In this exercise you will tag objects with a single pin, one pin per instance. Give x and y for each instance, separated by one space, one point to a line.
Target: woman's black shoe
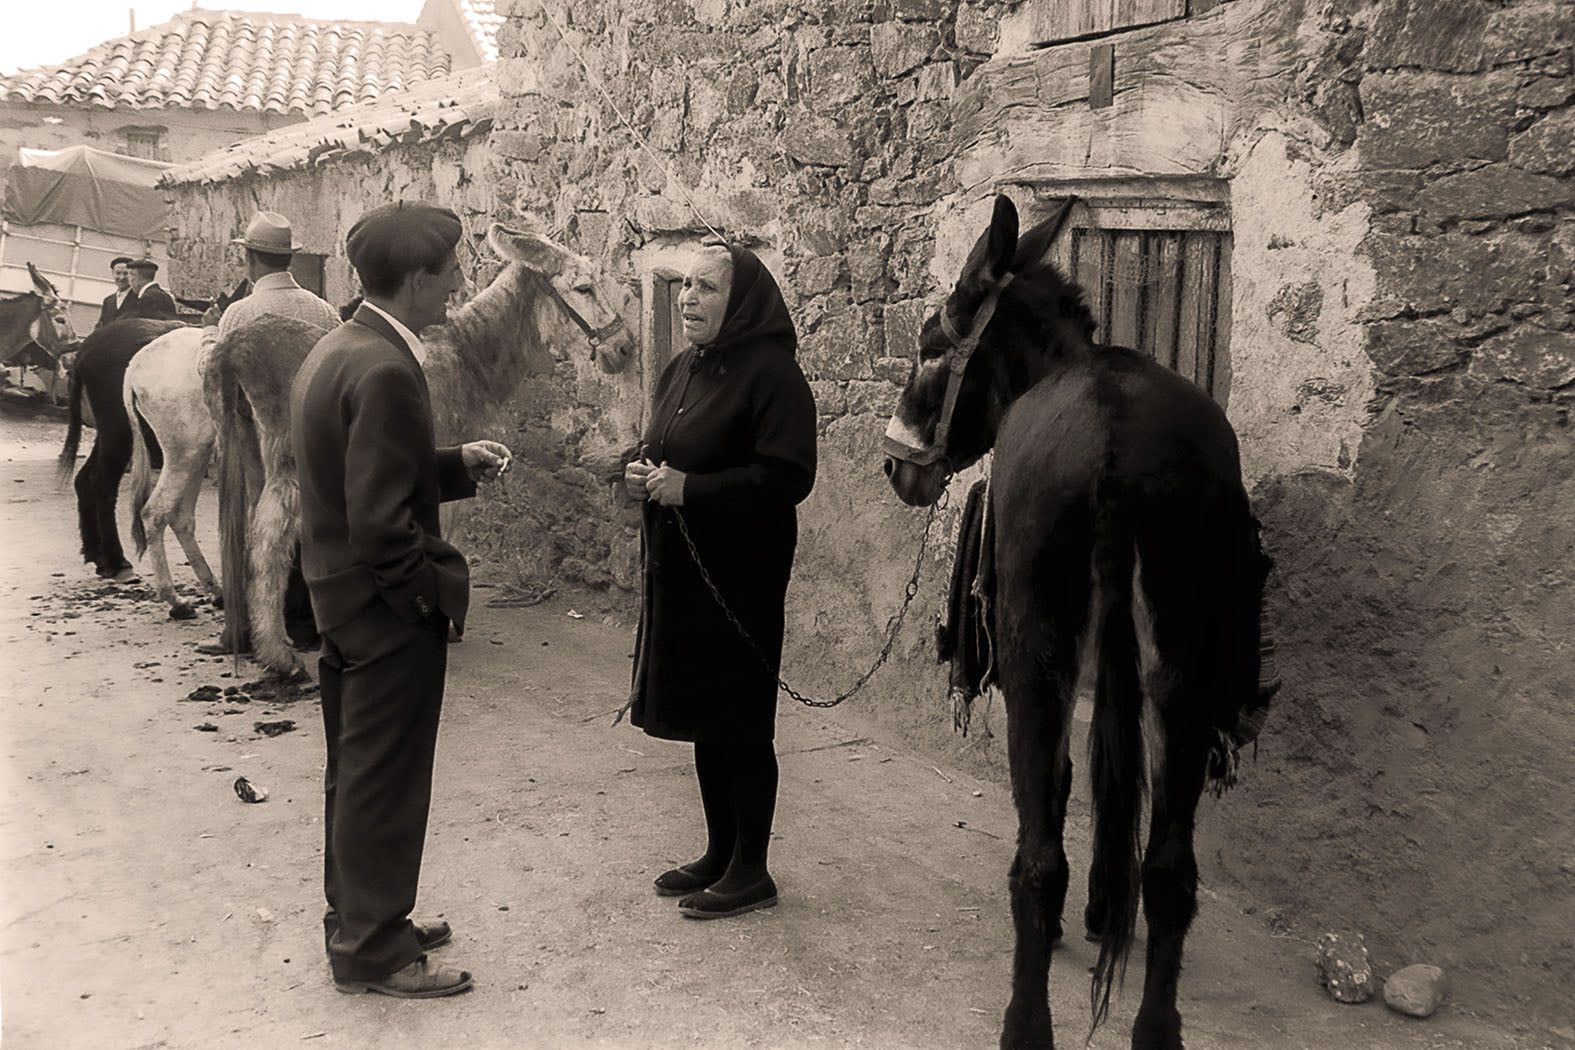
679 881
709 904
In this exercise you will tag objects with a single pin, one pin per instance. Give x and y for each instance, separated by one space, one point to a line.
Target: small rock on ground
1416 990
1343 967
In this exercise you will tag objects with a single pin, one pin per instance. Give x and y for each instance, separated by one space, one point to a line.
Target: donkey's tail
68 451
141 468
1117 766
235 442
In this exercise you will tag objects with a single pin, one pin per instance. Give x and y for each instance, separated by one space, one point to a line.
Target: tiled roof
482 19
452 106
257 63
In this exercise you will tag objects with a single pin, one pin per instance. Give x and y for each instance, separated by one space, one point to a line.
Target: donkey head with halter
928 440
569 279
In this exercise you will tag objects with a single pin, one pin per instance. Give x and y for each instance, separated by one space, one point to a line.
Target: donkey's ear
41 283
992 253
1035 244
531 249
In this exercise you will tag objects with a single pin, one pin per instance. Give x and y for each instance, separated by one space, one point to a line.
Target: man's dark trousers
382 689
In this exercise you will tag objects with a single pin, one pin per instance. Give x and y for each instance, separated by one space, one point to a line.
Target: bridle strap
957 358
593 335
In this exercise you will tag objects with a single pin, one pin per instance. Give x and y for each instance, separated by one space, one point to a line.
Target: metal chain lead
892 626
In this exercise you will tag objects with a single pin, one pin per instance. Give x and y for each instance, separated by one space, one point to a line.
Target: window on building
147 143
1153 261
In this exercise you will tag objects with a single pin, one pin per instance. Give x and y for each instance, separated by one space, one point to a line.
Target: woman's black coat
737 417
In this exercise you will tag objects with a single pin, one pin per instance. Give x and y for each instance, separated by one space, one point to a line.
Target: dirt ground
145 906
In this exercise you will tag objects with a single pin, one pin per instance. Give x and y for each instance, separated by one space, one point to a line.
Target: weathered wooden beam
1185 90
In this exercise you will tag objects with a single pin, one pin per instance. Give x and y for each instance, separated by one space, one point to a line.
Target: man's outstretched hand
485 460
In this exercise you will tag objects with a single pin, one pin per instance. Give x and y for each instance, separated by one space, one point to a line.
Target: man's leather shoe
416 981
709 904
433 934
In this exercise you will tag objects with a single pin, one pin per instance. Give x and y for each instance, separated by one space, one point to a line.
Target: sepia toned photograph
778 524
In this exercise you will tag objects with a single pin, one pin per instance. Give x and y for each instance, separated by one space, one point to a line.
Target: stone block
838 75
1531 355
902 322
1414 120
1344 969
1415 347
1416 991
817 276
812 139
978 29
840 347
1444 35
1492 192
1548 146
897 47
867 268
1477 274
918 10
937 81
1546 93
875 397
518 145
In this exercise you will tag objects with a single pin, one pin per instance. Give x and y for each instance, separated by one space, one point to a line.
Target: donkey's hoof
218 600
182 611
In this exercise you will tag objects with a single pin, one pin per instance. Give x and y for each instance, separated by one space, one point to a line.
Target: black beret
117 260
388 242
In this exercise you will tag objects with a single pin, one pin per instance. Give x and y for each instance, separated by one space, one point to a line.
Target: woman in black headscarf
728 454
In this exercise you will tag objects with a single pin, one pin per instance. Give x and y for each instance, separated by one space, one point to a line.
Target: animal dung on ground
1416 990
206 727
204 694
246 791
1344 968
282 726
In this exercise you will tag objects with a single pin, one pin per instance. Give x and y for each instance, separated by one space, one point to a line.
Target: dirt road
146 906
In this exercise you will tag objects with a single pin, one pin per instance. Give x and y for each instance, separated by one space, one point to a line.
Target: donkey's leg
270 540
184 521
1170 879
176 497
1041 629
1181 611
155 516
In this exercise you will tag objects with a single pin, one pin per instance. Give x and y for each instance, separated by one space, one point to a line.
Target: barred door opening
1155 272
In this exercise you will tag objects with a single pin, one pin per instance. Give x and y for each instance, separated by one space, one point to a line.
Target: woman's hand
635 473
666 486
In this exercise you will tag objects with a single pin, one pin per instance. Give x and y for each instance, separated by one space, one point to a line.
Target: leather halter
594 336
958 355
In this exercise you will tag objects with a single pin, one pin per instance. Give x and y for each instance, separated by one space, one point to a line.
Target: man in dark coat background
151 301
123 298
385 586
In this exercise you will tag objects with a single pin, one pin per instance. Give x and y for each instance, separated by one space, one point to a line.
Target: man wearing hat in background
269 247
115 304
385 586
152 301
270 244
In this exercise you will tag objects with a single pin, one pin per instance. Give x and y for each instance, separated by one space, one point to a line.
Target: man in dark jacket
117 304
152 301
385 586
